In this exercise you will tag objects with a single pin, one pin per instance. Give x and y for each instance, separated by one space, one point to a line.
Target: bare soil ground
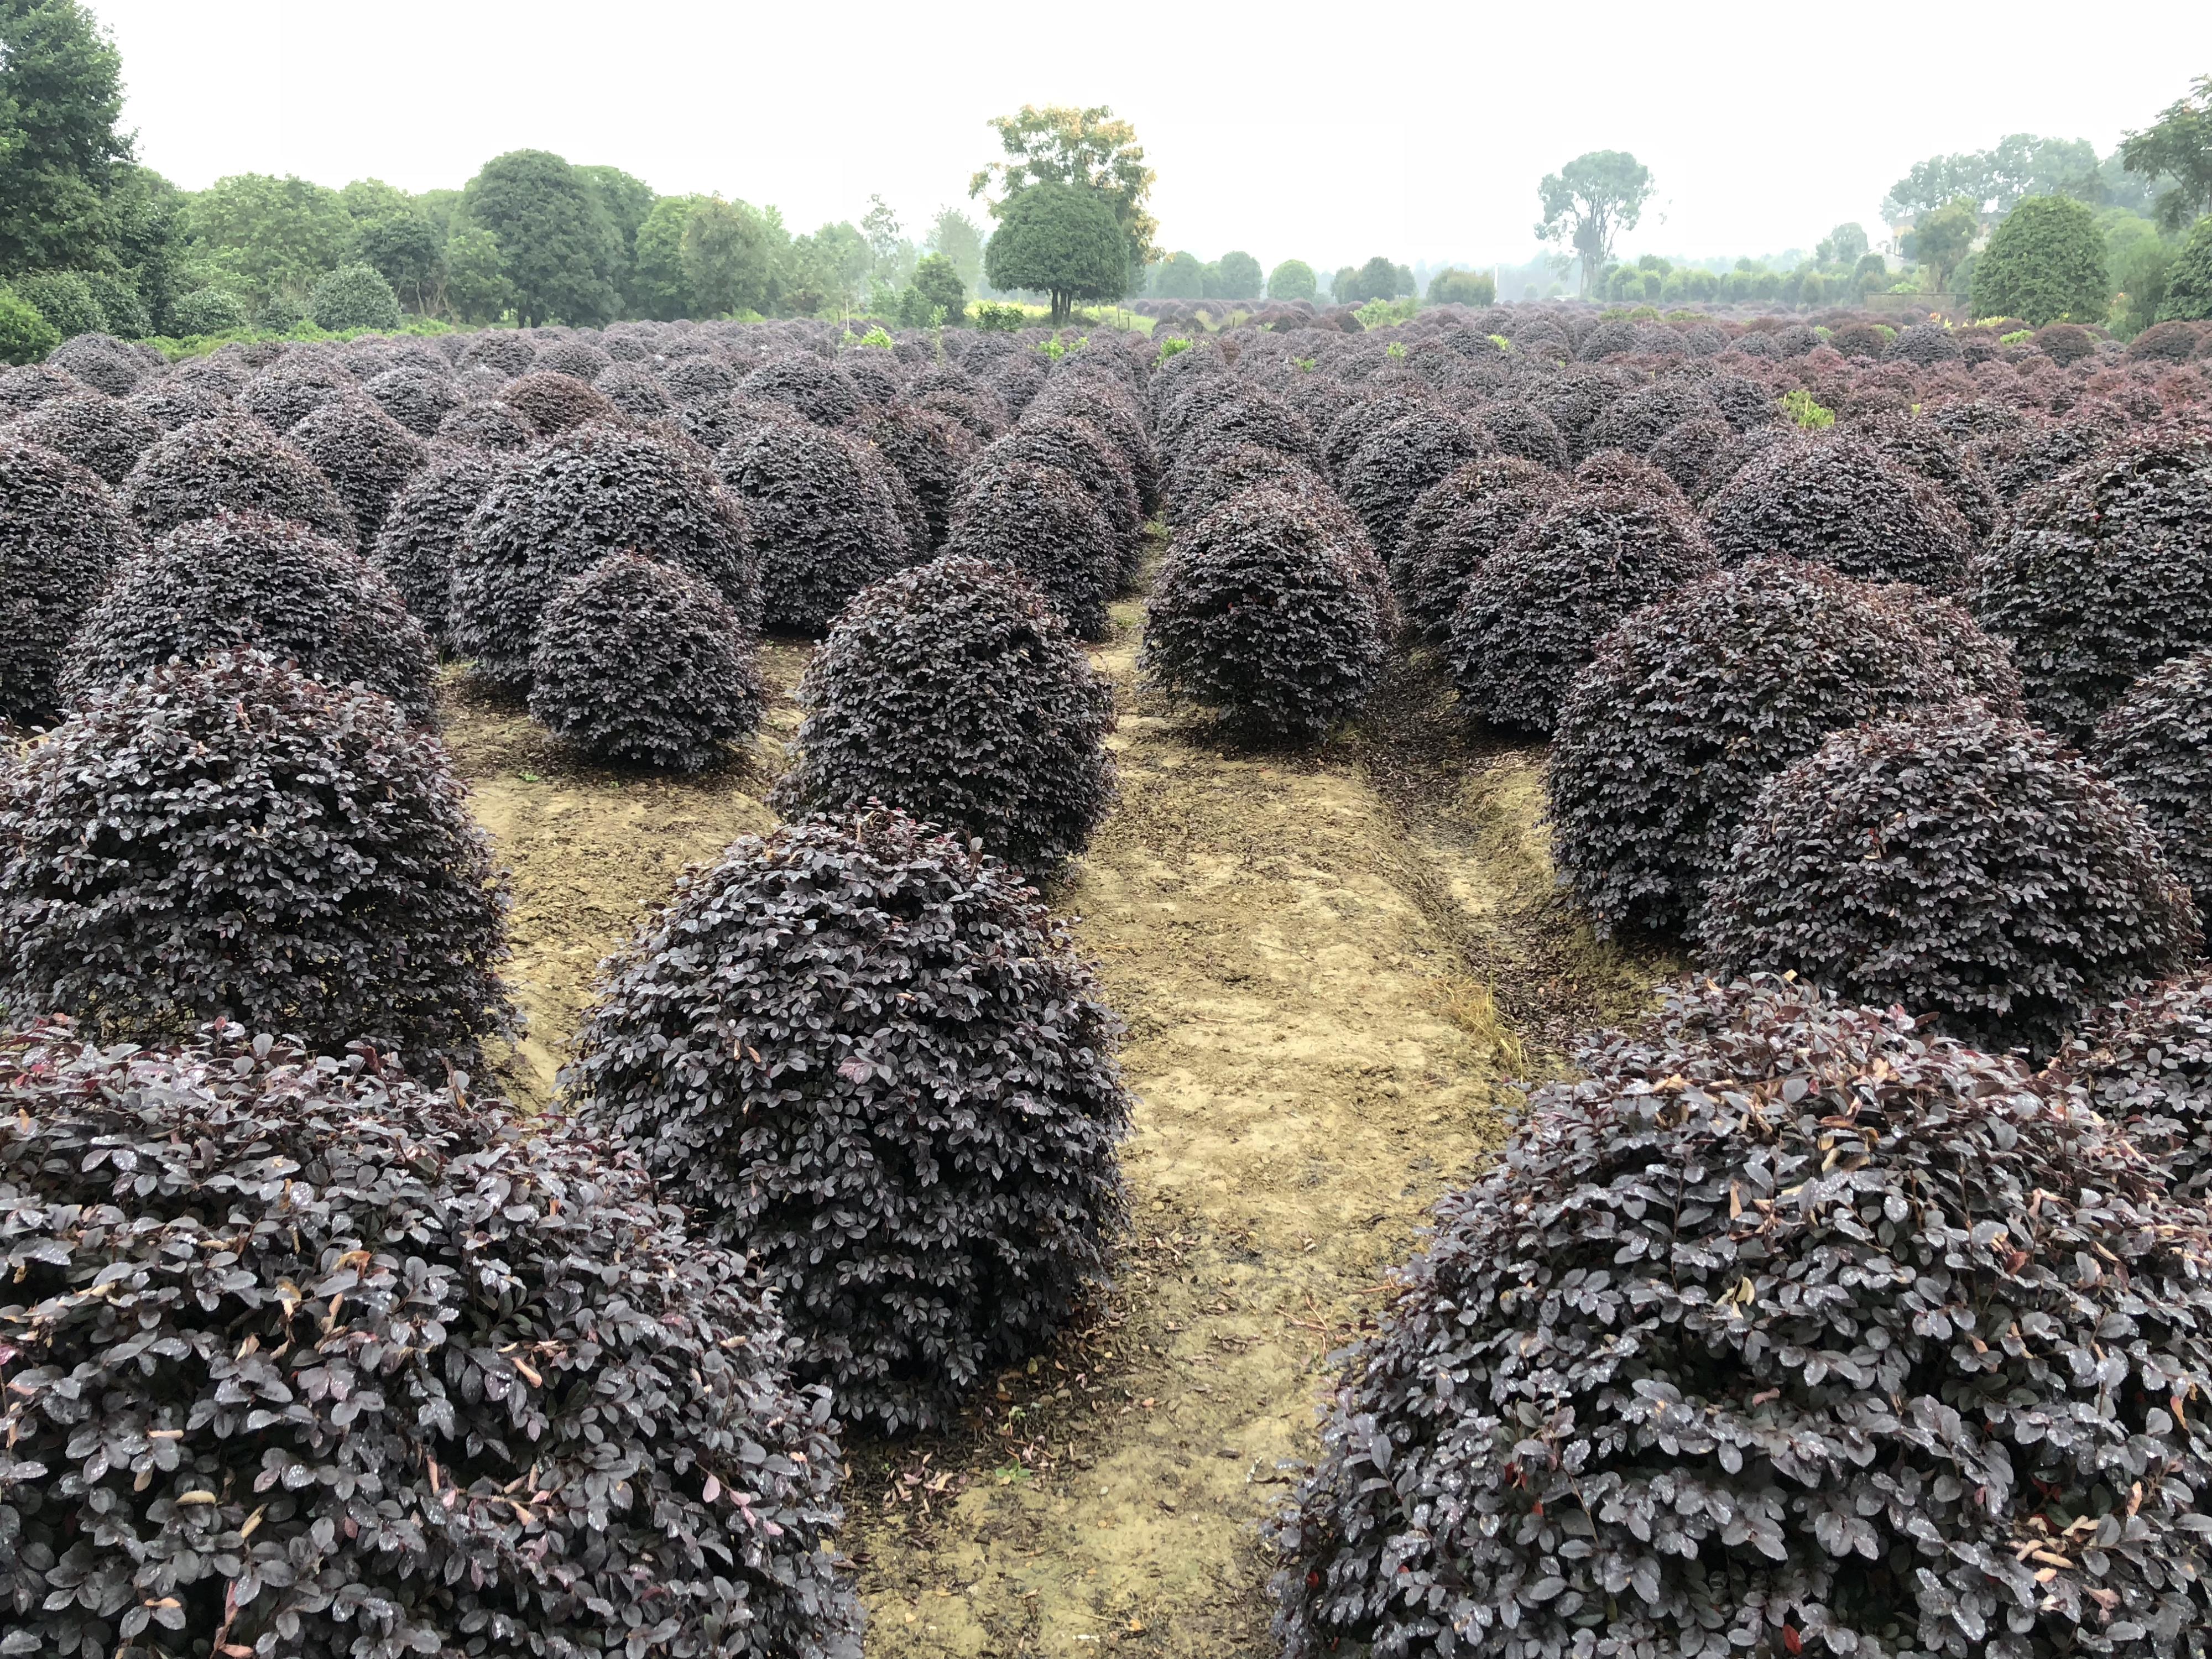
1329 963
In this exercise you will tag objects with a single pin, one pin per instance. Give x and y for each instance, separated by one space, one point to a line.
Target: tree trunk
1063 301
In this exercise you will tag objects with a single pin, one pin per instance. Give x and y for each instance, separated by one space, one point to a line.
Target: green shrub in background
119 303
2044 264
209 311
65 299
936 287
280 313
1463 287
354 297
25 334
2189 278
993 318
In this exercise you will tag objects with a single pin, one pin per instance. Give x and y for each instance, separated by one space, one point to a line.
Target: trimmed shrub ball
232 464
506 351
821 392
1789 1328
418 398
580 360
559 510
1686 452
1981 662
1203 482
953 693
508 1426
872 1060
1841 502
354 297
1349 432
1260 614
1639 420
246 581
488 425
270 849
292 388
106 434
1917 443
1087 455
61 537
1458 524
420 541
2156 744
1953 864
173 402
695 379
823 520
2105 573
1206 420
555 403
1114 413
1388 473
640 661
1690 705
2146 1062
367 455
634 390
1534 610
1616 469
928 452
1039 521
1523 430
874 375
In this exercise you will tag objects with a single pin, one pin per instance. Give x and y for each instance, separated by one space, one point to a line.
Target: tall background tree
731 256
1590 201
61 94
1293 279
1943 238
1995 180
958 238
2177 147
1086 147
561 253
1237 277
2045 262
258 236
1062 240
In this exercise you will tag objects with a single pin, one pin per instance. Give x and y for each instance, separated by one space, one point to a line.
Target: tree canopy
1062 240
1943 237
1235 277
1995 180
2045 262
2179 147
958 238
560 251
1062 145
729 257
61 94
1590 201
1293 279
261 236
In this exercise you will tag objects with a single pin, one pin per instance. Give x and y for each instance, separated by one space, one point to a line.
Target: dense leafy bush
101 362
640 661
2146 1062
26 336
580 360
929 451
1789 1328
1085 454
367 455
1640 419
209 311
271 850
1199 484
695 379
822 520
1114 412
872 1059
1686 450
354 297
1459 523
507 352
290 390
2045 262
488 425
1925 344
420 539
1350 431
559 510
1534 609
232 463
2156 744
508 1420
634 390
1841 501
1521 428
821 392
1041 522
2065 342
1260 613
418 398
1956 865
1386 475
65 299
61 537
953 693
106 435
555 403
2105 573
1690 705
246 581
173 402
1917 443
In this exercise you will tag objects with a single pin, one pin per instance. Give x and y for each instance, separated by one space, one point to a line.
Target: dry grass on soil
1329 963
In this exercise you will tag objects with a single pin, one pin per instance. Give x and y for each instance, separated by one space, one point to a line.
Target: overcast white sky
1414 129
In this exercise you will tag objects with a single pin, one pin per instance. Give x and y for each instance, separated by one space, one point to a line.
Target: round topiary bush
172 403
1041 522
1686 452
246 581
367 455
1689 706
2066 343
698 379
354 297
1262 614
1791 1329
2156 744
580 360
106 435
1640 419
1522 429
61 537
634 390
271 849
1085 454
872 1060
555 403
822 520
952 692
1840 502
232 463
420 399
504 1399
1200 484
821 392
209 311
639 661
290 389
1387 474
488 425
1458 524
1915 441
1925 346
559 510
420 539
2105 573
929 451
506 352
2146 1063
1534 610
1957 865
1114 412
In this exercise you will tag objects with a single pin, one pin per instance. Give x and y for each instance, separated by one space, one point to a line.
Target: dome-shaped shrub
101 361
379 1367
2156 744
978 411
1206 419
953 693
1262 614
555 403
209 311
1041 522
874 373
1534 610
1640 419
2065 342
1388 474
61 537
1925 344
821 392
173 402
1915 441
1349 432
2146 1062
354 297
639 661
420 541
697 379
559 510
872 1061
28 384
580 360
1522 429
636 391
1840 502
1689 706
1459 523
1200 483
505 351
249 582
822 520
270 849
1981 662
106 435
290 389
1957 865
488 425
1114 412
1085 454
418 398
1789 1329
2105 573
232 463
928 452
1686 452
367 455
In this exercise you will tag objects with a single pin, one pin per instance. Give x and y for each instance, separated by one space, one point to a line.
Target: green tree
262 236
1995 180
1378 279
1181 275
477 290
2045 262
730 256
626 200
1590 201
25 335
1293 279
395 238
890 256
354 297
144 248
1943 238
1342 287
956 236
61 94
1846 245
439 207
662 292
936 295
1237 277
1454 287
829 270
65 299
562 252
1062 240
2139 258
2189 279
2179 147
1058 145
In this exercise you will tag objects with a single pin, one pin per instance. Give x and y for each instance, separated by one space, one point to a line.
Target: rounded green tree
1293 279
2189 279
354 297
2045 262
1059 239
